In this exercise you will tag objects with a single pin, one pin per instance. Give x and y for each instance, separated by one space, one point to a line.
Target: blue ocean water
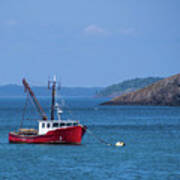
151 134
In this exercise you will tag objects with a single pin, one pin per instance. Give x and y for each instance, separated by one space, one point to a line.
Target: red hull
69 135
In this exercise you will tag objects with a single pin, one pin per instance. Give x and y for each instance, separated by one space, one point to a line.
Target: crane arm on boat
38 106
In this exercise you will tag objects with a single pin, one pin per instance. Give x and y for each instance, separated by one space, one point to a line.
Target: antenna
52 85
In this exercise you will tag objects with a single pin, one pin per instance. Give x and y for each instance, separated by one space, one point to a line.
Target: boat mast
53 96
38 106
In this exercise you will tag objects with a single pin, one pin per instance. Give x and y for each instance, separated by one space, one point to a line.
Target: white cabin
49 125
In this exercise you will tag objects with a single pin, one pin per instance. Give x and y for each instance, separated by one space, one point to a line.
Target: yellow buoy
119 143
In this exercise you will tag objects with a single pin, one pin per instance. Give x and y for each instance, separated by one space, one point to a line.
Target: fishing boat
53 131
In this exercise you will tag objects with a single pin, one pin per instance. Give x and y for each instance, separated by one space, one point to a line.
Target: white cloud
11 22
97 30
127 31
94 29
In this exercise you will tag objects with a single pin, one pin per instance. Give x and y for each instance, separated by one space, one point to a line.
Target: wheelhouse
45 126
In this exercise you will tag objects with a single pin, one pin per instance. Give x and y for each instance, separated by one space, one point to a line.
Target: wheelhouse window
75 124
43 125
55 124
62 124
48 125
69 124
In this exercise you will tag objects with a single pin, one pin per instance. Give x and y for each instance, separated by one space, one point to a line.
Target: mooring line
119 143
99 139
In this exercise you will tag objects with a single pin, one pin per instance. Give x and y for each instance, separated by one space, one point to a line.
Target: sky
88 42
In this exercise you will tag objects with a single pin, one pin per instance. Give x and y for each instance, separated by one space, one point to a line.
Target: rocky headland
165 92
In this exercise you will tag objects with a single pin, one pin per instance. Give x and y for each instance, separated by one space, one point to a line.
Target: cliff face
165 92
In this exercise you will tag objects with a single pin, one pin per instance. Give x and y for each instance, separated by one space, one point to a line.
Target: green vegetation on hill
162 93
127 86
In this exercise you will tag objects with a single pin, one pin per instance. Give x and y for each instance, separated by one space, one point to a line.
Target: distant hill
15 90
164 92
127 86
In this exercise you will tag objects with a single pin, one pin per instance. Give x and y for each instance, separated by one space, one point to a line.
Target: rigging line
24 110
99 139
62 103
31 119
65 105
119 143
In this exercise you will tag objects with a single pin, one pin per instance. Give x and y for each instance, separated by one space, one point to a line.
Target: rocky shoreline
165 92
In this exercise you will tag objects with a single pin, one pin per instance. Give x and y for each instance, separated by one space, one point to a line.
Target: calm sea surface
151 134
